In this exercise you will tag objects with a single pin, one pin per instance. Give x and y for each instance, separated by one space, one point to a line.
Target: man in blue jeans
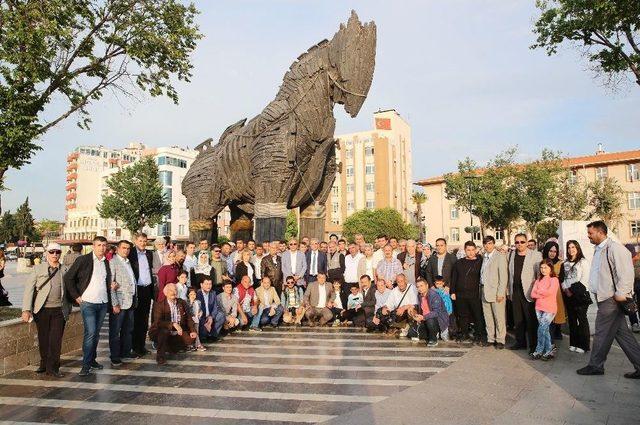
87 285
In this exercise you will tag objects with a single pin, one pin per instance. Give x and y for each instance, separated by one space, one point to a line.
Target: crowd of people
183 297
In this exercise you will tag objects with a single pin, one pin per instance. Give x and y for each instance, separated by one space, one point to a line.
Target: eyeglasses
54 251
216 250
293 244
520 242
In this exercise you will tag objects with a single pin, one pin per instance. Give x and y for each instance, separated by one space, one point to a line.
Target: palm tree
419 198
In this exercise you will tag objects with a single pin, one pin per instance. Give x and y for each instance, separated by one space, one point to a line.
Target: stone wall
19 342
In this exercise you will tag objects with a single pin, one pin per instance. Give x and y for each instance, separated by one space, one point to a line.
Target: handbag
580 297
629 305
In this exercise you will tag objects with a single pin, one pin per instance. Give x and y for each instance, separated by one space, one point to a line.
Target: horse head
352 55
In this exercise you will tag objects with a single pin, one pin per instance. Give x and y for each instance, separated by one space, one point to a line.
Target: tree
419 198
48 229
135 196
291 229
372 223
24 223
607 30
570 199
606 199
72 52
8 233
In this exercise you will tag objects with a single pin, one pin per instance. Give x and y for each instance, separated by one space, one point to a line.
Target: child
354 303
182 285
446 298
293 297
196 314
338 307
544 291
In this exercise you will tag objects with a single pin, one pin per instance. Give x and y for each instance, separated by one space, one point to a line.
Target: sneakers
96 366
116 363
548 356
404 332
252 329
432 343
336 323
536 356
85 371
201 348
579 350
415 339
572 348
635 328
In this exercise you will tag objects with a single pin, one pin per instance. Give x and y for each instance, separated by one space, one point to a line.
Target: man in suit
123 303
294 264
213 317
50 308
158 255
141 260
440 264
271 266
316 261
524 268
410 260
493 288
318 300
88 284
365 313
172 328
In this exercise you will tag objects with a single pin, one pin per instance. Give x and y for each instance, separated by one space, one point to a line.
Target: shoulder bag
629 305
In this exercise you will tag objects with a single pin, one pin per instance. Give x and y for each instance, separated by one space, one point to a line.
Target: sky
460 72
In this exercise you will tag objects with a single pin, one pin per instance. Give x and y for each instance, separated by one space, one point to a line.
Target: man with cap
49 308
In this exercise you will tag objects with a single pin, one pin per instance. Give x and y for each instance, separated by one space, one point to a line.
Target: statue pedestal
312 221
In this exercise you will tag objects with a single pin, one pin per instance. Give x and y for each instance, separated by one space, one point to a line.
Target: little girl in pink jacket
544 291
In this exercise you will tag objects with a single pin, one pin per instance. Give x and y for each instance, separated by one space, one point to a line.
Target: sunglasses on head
54 251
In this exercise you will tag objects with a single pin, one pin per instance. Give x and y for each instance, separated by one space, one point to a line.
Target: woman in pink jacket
544 291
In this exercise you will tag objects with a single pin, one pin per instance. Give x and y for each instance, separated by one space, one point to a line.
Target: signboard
383 123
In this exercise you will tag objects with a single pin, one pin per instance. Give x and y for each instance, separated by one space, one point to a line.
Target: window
335 191
349 187
349 153
476 236
602 173
370 187
368 150
573 177
499 235
455 234
166 177
349 171
335 207
164 229
635 228
181 229
634 200
350 206
349 143
455 213
633 172
370 169
167 192
175 162
371 204
335 220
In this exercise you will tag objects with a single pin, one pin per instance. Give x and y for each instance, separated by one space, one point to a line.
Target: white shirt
293 255
249 272
257 265
337 301
322 295
393 302
368 267
578 272
377 257
96 291
594 277
313 263
351 267
190 262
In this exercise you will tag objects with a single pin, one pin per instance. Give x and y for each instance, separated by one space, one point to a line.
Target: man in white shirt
294 264
256 260
351 262
190 259
611 281
395 312
87 282
378 255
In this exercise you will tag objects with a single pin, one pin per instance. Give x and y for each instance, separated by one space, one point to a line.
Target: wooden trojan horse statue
284 158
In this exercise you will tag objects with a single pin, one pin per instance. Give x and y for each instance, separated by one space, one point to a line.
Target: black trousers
357 317
50 324
141 318
427 329
525 321
470 309
579 334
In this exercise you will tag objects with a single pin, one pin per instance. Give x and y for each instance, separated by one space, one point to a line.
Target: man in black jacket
316 261
87 285
440 264
465 291
141 260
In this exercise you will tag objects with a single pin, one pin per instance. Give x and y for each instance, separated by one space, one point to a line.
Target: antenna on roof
600 149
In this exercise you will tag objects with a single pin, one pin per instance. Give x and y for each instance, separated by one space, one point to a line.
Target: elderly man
247 300
395 313
524 268
123 304
389 267
141 260
271 266
294 264
158 255
318 301
410 260
49 309
213 318
316 261
611 281
88 283
172 328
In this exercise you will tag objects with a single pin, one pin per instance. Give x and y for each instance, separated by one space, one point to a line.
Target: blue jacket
446 298
437 309
214 307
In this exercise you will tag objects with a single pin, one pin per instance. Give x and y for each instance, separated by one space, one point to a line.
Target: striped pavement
296 376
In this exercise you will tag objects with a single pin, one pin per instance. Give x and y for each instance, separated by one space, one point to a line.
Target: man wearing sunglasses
49 308
523 271
294 264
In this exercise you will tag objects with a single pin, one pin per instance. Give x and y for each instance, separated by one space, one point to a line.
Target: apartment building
374 171
443 219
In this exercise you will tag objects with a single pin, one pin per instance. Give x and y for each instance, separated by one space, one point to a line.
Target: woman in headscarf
202 269
551 251
168 273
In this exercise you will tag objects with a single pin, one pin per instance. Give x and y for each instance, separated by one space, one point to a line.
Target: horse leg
204 229
241 224
271 221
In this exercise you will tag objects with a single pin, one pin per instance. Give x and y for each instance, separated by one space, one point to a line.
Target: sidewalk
505 387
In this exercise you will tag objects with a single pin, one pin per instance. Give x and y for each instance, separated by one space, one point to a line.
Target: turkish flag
383 123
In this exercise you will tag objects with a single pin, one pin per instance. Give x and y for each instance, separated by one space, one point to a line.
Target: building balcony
70 206
113 160
72 156
71 196
72 166
72 176
71 185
